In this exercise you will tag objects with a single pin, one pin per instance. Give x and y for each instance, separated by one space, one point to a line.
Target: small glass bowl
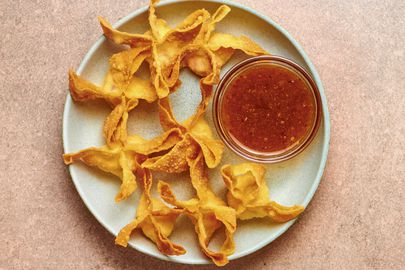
248 153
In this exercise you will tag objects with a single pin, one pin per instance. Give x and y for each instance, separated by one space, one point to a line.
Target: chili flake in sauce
268 108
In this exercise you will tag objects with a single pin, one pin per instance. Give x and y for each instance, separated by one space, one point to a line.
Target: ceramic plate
290 182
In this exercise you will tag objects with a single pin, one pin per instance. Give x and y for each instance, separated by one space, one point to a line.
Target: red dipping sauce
267 110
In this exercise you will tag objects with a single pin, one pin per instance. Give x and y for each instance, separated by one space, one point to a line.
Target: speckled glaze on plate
291 182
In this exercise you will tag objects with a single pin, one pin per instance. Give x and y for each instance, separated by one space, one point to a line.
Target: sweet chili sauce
268 108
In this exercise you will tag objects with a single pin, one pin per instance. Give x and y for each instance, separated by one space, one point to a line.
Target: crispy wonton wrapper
175 160
121 89
119 37
114 160
193 43
217 48
207 212
194 130
248 194
167 45
170 46
154 218
124 157
118 82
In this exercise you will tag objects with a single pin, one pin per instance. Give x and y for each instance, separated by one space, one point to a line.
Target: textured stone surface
356 219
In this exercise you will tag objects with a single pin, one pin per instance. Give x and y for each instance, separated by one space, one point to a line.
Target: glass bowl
244 151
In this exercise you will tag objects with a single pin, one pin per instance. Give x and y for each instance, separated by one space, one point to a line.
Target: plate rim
325 122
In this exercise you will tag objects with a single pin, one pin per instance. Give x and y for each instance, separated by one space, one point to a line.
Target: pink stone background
356 219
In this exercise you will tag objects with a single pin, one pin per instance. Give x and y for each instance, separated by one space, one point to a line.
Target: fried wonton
175 161
124 157
170 45
112 159
193 43
194 130
248 194
217 48
154 218
121 89
167 45
207 212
